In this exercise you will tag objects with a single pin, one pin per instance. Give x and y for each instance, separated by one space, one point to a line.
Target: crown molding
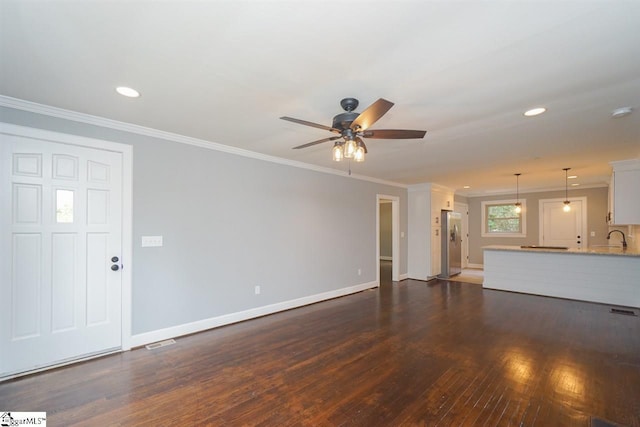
534 190
47 110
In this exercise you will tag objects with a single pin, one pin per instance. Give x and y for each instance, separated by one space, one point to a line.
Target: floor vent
622 311
160 344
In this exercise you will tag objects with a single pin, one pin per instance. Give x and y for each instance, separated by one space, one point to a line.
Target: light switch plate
151 241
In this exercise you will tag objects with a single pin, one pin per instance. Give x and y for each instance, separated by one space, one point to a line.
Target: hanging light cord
518 205
566 190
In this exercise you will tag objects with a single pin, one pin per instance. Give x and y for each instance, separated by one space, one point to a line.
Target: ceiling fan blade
394 134
320 141
306 123
371 115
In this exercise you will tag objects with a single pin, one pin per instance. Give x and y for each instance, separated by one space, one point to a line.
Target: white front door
560 228
61 231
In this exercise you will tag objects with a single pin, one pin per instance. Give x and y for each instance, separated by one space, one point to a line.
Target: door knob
115 258
115 267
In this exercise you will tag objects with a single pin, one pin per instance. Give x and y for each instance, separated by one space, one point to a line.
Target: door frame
585 229
127 212
395 236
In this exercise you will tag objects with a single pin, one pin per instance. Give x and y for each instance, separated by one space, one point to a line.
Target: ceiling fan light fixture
358 156
349 149
338 152
353 127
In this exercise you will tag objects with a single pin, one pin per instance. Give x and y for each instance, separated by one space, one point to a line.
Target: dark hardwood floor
414 353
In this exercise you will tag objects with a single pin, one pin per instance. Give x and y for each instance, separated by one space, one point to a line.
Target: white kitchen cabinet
426 201
441 199
603 275
624 193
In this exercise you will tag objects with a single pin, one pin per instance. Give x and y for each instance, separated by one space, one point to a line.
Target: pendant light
518 204
566 202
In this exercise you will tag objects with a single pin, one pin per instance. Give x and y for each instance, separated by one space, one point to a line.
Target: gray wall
230 223
386 248
597 202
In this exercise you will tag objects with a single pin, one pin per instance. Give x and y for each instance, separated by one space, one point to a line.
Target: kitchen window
500 219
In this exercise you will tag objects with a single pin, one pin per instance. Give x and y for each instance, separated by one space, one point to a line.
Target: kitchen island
607 275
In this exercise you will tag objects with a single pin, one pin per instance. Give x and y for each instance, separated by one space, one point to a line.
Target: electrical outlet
593 234
257 290
359 272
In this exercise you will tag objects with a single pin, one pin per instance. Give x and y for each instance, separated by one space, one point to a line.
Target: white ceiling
225 71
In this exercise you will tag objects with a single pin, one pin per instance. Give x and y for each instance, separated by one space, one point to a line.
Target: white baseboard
226 319
404 276
479 266
386 258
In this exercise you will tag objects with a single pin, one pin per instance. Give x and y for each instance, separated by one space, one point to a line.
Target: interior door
560 228
61 233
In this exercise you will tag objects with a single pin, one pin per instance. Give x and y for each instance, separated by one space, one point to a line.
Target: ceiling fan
352 127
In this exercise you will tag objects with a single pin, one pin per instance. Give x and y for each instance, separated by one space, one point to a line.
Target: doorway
392 234
66 233
560 228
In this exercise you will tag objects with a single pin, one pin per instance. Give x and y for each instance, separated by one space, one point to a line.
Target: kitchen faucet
624 241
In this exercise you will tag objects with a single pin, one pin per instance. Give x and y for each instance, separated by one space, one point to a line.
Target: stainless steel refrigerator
451 248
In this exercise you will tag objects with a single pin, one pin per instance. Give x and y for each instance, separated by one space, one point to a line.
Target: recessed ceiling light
467 186
572 176
621 112
535 111
575 184
128 92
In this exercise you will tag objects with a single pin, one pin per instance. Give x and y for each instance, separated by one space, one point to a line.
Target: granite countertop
594 250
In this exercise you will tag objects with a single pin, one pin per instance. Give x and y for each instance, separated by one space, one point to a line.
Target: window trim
523 218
